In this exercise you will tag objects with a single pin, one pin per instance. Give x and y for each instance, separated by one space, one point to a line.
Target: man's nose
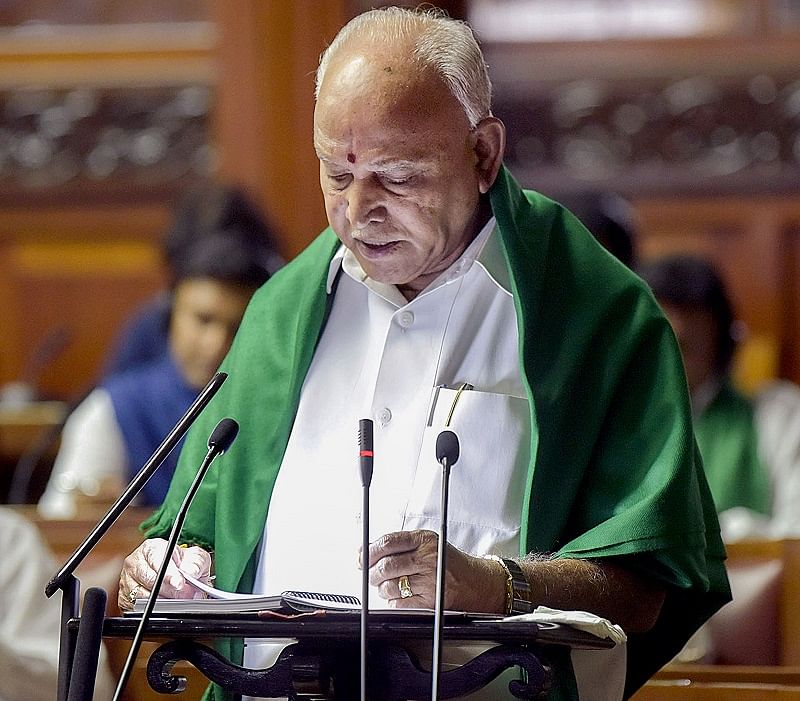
364 204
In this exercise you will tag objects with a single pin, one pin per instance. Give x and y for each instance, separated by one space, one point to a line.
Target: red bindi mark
351 158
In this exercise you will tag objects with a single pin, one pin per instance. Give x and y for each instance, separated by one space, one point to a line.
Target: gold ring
405 587
133 594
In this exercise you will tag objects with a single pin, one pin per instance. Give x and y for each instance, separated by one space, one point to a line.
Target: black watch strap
521 601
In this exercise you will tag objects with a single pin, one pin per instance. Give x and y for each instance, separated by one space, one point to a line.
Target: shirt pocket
487 482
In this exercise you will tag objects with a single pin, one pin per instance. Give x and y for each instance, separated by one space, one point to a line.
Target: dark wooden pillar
267 55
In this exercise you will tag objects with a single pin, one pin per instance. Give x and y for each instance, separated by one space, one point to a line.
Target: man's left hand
471 583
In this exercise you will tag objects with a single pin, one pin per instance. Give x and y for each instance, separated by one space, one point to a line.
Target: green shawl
614 470
728 441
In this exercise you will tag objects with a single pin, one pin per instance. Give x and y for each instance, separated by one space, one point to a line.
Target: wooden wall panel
84 262
77 273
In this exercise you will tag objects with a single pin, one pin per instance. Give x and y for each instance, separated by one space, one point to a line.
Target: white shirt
92 453
777 421
30 623
382 357
385 358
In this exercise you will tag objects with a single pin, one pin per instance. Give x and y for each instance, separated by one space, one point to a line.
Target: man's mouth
377 250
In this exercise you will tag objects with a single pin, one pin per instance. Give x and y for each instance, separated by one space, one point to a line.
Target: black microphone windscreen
447 447
87 645
365 434
223 435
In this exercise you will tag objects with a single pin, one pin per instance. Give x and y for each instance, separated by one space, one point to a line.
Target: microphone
365 451
136 484
87 645
365 458
223 436
447 453
220 440
447 448
45 353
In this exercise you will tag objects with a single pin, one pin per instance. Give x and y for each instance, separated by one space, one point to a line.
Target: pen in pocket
463 387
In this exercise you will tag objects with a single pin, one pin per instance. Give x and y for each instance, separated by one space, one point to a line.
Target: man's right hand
140 567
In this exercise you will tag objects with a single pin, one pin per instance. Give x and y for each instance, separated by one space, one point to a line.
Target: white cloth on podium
600 674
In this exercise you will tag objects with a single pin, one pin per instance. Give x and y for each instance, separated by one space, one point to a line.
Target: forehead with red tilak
368 106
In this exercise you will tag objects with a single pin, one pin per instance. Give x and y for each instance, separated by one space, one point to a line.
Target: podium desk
321 657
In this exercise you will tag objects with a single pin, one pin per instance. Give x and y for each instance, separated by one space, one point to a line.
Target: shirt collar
485 250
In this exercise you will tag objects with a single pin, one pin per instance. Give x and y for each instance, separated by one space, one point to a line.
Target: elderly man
439 273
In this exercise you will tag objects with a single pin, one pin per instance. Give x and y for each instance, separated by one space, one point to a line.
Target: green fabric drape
728 441
614 469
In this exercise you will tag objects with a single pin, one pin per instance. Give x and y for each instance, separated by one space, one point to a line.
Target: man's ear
489 145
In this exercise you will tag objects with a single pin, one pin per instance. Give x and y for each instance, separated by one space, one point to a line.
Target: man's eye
339 180
398 181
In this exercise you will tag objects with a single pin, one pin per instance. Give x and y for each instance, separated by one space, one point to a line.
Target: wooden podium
321 659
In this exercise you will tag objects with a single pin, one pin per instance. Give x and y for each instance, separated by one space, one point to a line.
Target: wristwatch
518 590
521 588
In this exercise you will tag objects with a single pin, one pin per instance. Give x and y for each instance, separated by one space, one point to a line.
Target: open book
220 601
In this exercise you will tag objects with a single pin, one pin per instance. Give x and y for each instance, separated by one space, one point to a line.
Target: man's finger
194 561
393 566
397 542
153 550
146 567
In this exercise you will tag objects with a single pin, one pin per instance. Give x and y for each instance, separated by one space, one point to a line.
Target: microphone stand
70 603
447 451
65 578
365 455
220 440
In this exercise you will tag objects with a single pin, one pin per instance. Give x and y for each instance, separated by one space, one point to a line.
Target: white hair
439 42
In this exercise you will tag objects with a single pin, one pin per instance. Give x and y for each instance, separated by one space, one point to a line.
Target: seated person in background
205 209
112 433
30 623
750 447
577 466
610 219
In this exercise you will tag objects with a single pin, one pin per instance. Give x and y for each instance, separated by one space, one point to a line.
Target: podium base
307 671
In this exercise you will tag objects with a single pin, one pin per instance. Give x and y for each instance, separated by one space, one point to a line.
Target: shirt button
384 416
405 319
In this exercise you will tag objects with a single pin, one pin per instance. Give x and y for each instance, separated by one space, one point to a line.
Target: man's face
205 316
696 330
398 168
